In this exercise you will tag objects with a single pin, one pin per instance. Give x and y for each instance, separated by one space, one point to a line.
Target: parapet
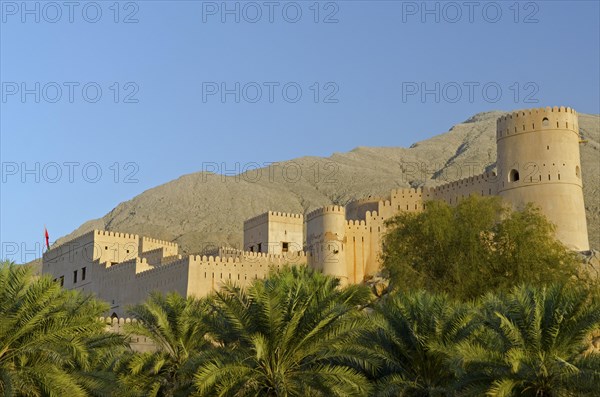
538 119
486 177
356 223
423 191
330 209
74 243
115 234
159 242
134 263
114 321
272 216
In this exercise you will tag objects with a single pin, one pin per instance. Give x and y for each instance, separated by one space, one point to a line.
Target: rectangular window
62 281
284 247
74 276
83 273
259 249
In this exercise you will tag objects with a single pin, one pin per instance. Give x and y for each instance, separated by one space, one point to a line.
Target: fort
538 161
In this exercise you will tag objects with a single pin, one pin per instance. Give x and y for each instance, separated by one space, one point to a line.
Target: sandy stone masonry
538 161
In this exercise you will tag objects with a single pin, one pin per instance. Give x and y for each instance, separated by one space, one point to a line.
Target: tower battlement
272 216
538 119
330 209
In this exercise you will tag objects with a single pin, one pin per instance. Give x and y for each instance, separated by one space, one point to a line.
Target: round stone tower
325 237
538 161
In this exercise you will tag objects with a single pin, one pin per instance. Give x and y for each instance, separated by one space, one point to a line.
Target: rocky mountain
203 210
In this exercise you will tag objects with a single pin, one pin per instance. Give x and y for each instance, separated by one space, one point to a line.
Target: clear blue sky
367 63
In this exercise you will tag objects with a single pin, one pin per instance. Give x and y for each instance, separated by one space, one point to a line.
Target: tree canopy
476 246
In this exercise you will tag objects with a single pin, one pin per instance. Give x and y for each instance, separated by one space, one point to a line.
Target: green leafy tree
178 328
479 245
293 334
413 341
51 340
533 343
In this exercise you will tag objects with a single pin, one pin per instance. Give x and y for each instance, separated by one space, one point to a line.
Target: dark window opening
83 271
259 247
284 247
513 176
62 281
545 122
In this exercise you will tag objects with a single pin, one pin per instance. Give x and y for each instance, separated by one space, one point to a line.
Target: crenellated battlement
160 242
75 243
419 191
285 215
385 203
330 209
131 263
539 119
117 320
356 223
372 215
106 233
487 177
272 216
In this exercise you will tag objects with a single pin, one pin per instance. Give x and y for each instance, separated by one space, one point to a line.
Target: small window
259 247
83 269
106 247
545 122
284 247
62 281
513 176
251 248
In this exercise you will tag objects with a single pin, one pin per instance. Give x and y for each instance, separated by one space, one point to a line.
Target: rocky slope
202 210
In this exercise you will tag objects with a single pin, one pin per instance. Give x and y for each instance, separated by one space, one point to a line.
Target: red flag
47 238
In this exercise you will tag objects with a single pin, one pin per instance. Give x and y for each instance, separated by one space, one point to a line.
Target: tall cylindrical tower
325 237
538 161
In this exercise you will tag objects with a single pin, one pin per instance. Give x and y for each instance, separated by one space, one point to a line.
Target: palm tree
413 340
177 327
51 340
533 344
293 334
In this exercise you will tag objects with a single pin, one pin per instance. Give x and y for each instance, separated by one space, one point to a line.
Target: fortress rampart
537 120
538 161
138 343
